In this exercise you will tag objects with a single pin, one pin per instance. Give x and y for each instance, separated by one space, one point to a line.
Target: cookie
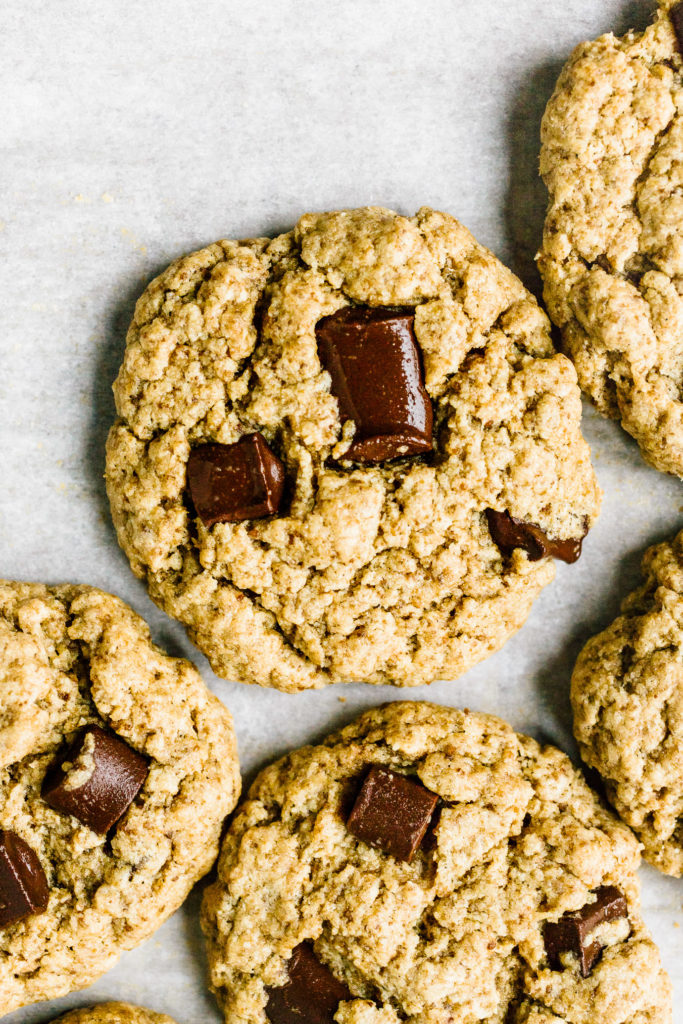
627 695
428 864
347 453
117 770
113 1013
612 255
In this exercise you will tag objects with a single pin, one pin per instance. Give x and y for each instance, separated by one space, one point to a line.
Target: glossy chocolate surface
375 364
109 775
510 533
23 885
229 483
393 812
311 994
572 933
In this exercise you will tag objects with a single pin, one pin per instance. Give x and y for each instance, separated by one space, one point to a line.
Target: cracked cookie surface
457 933
627 695
612 255
381 573
113 1013
70 657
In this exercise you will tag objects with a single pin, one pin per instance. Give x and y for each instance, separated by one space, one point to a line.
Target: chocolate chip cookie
347 453
627 694
113 1013
117 770
427 864
612 255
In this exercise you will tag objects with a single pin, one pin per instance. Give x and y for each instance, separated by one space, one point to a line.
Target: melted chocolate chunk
572 933
375 364
676 15
310 996
97 780
232 482
23 885
392 812
510 533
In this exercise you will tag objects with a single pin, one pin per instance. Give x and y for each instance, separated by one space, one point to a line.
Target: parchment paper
135 131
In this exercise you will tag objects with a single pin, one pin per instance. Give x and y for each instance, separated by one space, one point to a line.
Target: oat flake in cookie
612 256
113 1013
117 770
254 370
627 695
520 903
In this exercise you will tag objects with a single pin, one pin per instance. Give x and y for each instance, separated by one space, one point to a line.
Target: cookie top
300 347
464 927
117 770
627 694
113 1013
612 255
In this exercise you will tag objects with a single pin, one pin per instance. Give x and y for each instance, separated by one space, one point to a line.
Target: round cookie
381 571
117 771
612 255
309 921
113 1013
627 695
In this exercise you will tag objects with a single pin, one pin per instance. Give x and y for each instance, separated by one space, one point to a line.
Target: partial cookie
429 865
612 256
113 1013
627 694
347 453
117 770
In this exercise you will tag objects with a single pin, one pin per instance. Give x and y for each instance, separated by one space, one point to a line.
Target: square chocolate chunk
310 996
23 885
572 933
392 812
375 364
97 780
229 483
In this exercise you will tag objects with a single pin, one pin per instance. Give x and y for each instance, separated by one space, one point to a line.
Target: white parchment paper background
134 131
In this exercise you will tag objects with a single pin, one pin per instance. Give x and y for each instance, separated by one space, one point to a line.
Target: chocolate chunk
509 533
374 361
232 482
676 15
97 780
310 996
392 812
571 934
23 885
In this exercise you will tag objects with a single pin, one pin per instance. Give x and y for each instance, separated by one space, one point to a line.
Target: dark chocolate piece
572 933
232 482
393 812
97 779
375 364
509 533
23 885
310 996
676 15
